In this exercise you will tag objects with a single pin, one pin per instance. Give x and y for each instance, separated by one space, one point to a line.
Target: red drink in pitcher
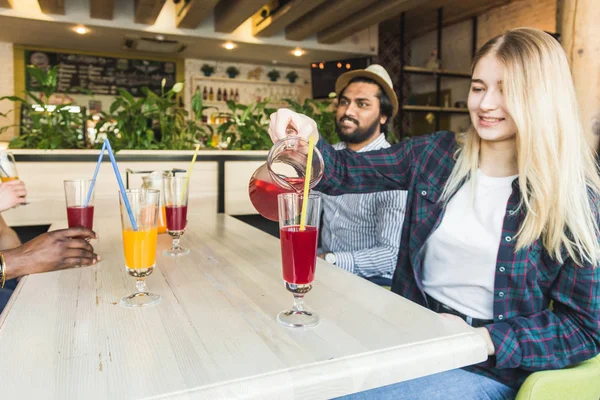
263 195
80 216
299 254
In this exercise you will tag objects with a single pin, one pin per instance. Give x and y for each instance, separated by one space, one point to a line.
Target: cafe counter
219 179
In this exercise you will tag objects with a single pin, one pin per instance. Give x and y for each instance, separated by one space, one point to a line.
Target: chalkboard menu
101 75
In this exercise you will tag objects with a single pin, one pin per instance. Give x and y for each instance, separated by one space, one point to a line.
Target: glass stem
140 285
176 242
298 303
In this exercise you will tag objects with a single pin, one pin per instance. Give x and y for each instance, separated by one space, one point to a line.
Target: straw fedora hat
375 72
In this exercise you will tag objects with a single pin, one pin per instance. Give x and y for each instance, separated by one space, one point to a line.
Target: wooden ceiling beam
191 14
6 3
283 16
146 11
328 14
373 15
416 29
52 6
102 9
229 14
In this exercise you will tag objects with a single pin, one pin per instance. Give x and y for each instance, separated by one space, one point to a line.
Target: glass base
141 299
297 319
180 251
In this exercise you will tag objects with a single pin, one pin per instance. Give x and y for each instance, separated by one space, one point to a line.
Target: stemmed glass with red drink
298 255
176 191
80 209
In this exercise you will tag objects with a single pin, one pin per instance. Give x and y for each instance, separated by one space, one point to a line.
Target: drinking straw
189 174
307 179
4 171
89 196
121 186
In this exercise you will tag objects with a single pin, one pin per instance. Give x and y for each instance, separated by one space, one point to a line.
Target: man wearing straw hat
361 232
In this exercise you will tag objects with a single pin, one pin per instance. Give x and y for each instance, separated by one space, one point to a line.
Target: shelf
441 72
214 103
254 81
451 110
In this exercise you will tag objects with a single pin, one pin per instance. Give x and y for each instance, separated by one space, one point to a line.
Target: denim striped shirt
363 230
528 335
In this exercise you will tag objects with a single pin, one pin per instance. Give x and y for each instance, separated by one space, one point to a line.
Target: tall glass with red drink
298 255
176 191
80 203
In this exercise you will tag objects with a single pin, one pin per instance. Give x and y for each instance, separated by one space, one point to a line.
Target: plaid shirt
527 335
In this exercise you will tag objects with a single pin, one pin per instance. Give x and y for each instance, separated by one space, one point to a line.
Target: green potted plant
232 71
246 126
292 76
273 75
45 125
154 121
207 69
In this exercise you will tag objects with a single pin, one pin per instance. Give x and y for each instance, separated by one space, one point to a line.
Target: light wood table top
215 335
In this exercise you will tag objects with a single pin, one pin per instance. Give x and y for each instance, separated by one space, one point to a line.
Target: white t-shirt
460 256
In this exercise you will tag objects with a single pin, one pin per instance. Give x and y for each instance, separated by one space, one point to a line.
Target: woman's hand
285 122
11 194
483 332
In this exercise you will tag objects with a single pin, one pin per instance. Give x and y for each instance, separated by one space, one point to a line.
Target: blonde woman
501 220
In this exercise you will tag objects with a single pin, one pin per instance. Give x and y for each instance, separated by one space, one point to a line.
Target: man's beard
359 134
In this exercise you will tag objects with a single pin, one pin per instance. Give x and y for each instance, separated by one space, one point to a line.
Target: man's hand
285 122
51 251
11 194
483 332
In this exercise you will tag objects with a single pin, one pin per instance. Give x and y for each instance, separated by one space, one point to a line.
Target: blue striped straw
121 186
89 196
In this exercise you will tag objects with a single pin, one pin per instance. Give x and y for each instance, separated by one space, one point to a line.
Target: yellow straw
189 174
307 179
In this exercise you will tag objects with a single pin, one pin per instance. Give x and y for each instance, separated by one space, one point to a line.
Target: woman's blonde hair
558 177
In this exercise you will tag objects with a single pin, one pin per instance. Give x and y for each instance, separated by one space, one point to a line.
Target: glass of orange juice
139 246
8 167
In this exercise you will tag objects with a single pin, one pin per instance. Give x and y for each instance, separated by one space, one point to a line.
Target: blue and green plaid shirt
527 334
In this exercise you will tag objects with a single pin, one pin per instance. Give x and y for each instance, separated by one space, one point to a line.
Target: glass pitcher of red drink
155 181
284 172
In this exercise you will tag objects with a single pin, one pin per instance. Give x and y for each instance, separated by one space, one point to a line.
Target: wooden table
65 336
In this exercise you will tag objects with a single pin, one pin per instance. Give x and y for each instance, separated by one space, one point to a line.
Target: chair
579 382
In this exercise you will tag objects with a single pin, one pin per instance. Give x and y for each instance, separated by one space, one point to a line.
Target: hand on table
12 193
285 122
52 251
483 332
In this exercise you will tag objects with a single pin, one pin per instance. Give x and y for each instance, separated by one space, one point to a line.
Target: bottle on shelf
211 95
219 95
214 141
204 94
232 95
237 96
225 95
